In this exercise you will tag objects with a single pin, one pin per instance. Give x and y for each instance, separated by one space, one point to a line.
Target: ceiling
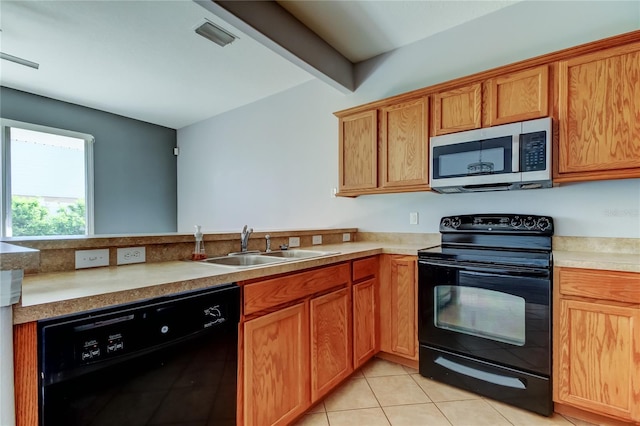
142 59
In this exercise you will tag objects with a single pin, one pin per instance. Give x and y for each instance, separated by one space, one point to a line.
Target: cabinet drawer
365 268
269 293
599 284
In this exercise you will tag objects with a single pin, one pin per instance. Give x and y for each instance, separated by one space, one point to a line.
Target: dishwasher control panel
75 344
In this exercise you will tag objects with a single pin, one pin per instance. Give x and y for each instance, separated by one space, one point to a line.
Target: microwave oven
507 157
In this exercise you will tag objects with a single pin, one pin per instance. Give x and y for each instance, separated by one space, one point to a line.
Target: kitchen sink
298 253
238 260
244 261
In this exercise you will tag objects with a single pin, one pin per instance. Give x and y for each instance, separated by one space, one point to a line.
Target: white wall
274 163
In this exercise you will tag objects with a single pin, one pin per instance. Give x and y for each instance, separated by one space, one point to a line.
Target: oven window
480 312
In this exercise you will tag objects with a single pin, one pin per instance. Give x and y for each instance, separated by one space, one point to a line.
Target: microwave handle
515 153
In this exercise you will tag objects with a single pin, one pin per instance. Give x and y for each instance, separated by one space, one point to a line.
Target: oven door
496 314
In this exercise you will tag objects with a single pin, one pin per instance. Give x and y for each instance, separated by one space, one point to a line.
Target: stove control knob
455 222
529 222
446 222
516 222
544 224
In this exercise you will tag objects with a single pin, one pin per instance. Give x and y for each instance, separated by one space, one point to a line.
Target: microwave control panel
533 151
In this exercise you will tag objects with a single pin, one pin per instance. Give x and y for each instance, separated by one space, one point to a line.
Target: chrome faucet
268 238
244 238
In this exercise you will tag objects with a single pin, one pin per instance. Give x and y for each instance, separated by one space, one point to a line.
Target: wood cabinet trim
262 295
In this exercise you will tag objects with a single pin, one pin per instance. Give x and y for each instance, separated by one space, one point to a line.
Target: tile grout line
377 400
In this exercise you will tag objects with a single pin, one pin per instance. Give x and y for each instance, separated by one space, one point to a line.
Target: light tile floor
387 394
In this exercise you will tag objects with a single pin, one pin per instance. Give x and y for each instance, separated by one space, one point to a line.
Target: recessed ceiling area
144 60
361 30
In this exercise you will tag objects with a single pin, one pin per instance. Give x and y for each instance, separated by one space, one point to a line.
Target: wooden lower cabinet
398 306
365 342
330 342
296 343
276 366
366 315
25 358
597 342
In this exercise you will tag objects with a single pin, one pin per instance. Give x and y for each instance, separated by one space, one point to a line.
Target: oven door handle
489 270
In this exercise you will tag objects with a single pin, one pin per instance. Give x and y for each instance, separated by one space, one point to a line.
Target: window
47 181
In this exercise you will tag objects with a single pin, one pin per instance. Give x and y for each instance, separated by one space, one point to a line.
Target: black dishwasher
167 360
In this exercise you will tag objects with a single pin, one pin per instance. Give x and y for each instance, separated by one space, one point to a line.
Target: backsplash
58 255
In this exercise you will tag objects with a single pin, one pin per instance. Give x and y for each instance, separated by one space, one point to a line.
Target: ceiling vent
216 34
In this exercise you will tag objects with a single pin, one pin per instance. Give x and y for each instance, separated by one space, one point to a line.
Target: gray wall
134 165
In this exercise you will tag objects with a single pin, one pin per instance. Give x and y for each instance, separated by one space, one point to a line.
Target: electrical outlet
294 241
316 239
92 258
413 218
131 255
346 237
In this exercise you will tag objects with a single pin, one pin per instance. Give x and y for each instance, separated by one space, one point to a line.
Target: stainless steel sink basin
243 261
298 254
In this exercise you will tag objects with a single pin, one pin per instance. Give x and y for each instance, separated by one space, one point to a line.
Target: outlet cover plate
128 255
346 237
316 239
92 258
294 241
413 218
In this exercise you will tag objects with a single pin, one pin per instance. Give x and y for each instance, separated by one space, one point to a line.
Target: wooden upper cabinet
358 151
457 109
599 112
518 96
405 144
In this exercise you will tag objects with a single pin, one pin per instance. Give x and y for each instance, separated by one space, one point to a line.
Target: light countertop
53 294
61 293
629 262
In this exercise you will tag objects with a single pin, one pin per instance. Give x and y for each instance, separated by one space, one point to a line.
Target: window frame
5 172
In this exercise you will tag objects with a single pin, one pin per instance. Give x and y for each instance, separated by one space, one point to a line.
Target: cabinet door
458 109
359 151
599 106
398 313
330 341
519 96
599 363
276 366
365 342
405 144
26 386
